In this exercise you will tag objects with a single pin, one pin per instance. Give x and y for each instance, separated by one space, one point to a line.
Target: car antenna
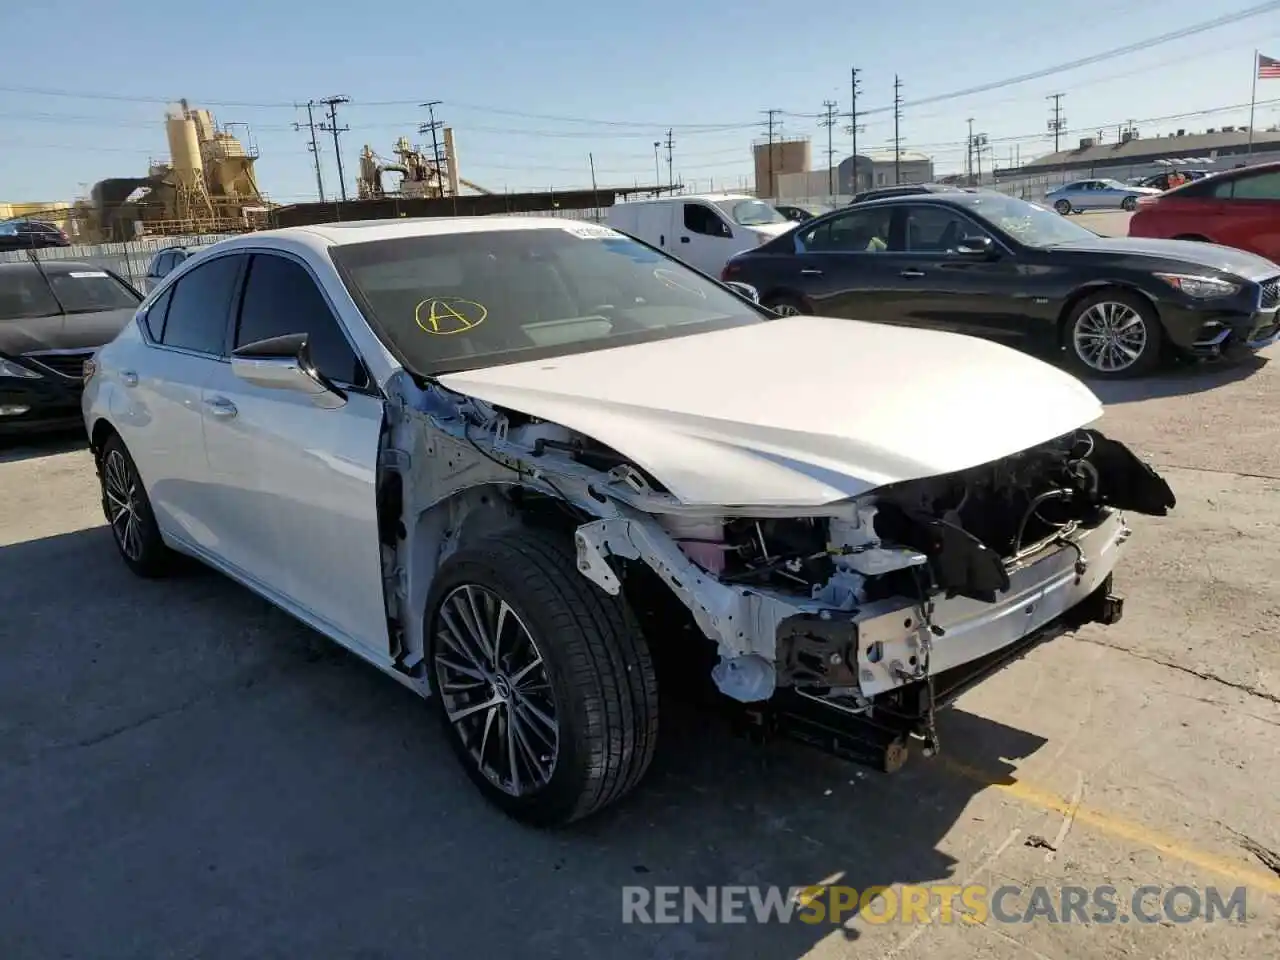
31 254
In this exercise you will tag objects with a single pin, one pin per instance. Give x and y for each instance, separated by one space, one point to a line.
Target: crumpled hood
799 411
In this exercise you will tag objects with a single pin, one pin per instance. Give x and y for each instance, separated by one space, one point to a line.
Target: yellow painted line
1125 829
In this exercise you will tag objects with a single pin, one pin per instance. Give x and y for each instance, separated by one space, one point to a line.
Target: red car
1238 208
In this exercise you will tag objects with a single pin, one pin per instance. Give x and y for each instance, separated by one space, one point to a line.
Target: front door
302 479
936 286
703 239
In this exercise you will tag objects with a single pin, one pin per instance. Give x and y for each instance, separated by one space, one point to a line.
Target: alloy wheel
1110 336
786 309
120 487
495 689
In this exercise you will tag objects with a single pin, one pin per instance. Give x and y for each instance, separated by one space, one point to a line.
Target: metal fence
129 260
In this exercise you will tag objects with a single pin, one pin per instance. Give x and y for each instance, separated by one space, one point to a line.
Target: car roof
53 266
364 231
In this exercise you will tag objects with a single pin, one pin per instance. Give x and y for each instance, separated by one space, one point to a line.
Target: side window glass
199 307
161 265
937 230
1261 186
704 220
280 298
867 231
154 317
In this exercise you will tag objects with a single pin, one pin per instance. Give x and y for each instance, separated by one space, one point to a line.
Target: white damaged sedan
516 463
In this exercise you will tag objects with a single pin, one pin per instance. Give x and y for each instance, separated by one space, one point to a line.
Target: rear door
843 264
297 481
186 333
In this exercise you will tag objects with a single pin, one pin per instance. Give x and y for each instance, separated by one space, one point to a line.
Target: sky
536 91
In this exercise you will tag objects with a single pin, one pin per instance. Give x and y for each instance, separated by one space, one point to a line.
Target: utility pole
333 128
432 127
980 142
770 191
1058 122
968 156
671 177
657 173
313 147
829 121
897 138
853 123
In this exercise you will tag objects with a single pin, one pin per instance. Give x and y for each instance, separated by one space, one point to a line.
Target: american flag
1268 69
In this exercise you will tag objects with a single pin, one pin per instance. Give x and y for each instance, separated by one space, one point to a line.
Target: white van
704 230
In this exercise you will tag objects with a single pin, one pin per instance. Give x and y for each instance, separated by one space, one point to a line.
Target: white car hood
800 411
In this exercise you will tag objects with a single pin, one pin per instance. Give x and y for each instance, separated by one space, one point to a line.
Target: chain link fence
128 260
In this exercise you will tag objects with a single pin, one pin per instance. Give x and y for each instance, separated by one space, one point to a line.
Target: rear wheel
1063 207
1113 334
128 511
1129 203
785 305
543 682
1193 236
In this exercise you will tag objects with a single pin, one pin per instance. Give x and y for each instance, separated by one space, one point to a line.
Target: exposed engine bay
861 605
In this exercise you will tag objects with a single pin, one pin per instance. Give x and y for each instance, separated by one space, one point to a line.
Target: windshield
24 294
754 213
91 291
460 301
1028 223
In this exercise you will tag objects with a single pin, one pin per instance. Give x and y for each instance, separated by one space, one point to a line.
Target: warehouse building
1131 156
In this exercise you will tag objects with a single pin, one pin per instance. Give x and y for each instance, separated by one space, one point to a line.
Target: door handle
684 239
129 378
911 273
221 407
810 272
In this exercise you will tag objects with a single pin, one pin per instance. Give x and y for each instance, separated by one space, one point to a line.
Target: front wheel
1063 207
1113 334
543 682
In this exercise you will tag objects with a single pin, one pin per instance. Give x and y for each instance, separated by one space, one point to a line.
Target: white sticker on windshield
85 274
590 231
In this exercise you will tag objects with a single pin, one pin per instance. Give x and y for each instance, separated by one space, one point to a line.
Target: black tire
786 305
141 548
1129 203
599 674
1063 207
1193 237
1153 334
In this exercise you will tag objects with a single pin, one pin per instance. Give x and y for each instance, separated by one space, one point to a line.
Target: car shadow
1186 378
201 774
18 448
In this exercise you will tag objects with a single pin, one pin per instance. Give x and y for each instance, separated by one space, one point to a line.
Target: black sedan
53 316
994 266
23 234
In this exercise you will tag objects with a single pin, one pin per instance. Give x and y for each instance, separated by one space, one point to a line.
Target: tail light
730 271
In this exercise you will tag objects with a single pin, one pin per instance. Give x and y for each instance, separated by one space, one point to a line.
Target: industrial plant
422 175
208 185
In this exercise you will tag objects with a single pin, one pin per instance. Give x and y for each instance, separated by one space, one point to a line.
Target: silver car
1097 195
163 263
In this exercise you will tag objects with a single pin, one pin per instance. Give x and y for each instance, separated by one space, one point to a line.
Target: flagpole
1253 100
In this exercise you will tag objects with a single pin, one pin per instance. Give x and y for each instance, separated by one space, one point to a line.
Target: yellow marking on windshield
443 316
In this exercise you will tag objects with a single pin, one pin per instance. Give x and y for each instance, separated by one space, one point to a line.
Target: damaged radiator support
880 736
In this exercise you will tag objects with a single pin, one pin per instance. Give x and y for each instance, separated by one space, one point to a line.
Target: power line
1220 21
312 147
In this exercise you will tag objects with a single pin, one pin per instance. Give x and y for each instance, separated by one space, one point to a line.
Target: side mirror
284 363
744 290
978 247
